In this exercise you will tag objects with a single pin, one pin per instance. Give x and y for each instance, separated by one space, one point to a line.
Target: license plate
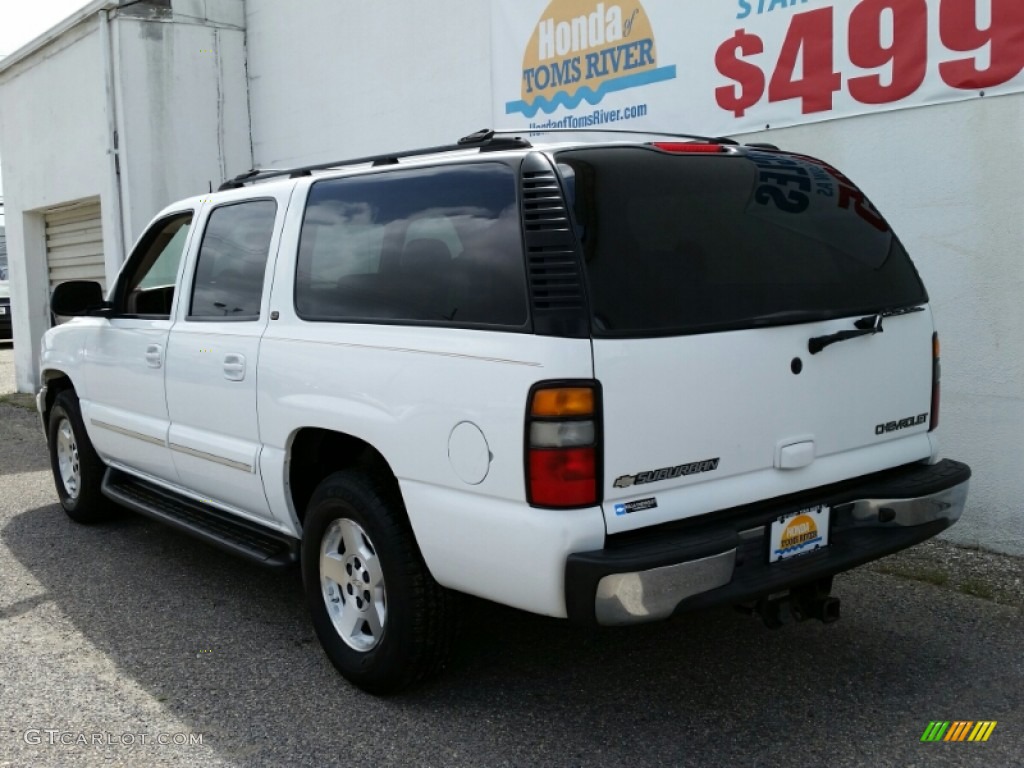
3 310
799 533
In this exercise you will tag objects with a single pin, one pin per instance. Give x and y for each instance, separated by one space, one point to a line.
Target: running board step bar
240 537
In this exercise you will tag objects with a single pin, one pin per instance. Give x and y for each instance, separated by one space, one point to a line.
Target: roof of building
56 31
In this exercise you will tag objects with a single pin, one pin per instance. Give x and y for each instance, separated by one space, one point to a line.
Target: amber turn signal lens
563 401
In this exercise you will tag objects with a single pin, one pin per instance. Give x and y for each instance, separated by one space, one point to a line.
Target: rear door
708 275
213 351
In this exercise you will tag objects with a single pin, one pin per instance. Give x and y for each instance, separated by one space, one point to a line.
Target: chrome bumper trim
630 598
944 505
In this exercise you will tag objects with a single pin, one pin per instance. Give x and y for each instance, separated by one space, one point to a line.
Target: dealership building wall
52 154
327 79
103 121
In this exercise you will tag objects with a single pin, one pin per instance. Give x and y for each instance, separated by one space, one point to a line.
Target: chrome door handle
234 367
154 355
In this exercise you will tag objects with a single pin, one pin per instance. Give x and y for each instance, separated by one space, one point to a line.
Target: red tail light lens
562 445
936 382
682 147
563 477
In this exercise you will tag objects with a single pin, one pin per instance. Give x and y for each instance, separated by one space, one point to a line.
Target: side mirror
78 298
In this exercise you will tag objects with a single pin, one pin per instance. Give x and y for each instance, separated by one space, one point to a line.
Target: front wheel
77 469
383 621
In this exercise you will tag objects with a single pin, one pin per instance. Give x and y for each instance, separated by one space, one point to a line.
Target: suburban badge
668 473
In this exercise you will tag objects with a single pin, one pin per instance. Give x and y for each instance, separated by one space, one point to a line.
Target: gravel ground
994 577
129 630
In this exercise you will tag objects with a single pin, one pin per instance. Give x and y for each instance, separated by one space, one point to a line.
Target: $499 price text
887 35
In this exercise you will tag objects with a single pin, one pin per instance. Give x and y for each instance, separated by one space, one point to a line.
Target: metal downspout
113 150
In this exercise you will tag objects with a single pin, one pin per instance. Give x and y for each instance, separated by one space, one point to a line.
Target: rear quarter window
437 246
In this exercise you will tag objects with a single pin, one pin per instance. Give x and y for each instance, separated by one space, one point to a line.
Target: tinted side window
233 262
440 245
147 288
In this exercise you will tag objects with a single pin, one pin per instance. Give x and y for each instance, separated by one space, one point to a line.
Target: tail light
563 437
936 382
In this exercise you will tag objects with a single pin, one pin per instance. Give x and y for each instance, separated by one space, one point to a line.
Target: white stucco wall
183 111
331 79
181 114
53 138
949 179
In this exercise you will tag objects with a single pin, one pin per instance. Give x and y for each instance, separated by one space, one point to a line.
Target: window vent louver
553 267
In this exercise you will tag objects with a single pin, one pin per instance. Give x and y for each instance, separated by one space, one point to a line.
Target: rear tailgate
713 418
708 277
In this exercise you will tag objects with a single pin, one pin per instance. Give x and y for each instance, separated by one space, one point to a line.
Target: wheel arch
313 453
55 381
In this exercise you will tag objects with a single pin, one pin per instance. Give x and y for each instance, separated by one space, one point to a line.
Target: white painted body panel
403 391
500 549
733 397
63 347
124 390
122 387
273 464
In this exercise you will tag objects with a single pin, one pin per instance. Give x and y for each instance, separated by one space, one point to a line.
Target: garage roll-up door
74 243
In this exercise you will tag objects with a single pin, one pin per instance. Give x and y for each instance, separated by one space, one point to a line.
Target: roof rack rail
485 140
536 131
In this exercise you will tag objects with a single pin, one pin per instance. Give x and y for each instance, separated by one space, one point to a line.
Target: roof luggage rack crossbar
536 131
485 140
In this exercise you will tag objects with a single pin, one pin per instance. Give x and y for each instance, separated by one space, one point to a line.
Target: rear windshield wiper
866 326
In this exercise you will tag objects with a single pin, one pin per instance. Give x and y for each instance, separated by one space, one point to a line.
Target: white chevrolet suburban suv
606 380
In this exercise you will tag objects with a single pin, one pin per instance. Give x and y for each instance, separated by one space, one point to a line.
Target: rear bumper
723 557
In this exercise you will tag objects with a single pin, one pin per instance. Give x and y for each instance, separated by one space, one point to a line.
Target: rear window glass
687 244
437 245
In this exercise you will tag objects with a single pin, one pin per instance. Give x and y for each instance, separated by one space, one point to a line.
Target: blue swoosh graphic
796 547
571 101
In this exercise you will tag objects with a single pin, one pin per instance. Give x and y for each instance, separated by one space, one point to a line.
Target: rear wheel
77 469
380 616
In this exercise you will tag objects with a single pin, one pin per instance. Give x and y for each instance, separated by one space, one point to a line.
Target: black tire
81 498
418 623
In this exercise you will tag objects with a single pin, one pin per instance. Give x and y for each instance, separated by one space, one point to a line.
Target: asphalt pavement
154 649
